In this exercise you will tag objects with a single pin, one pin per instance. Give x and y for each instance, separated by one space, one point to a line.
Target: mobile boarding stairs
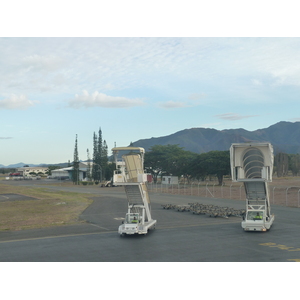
252 164
130 174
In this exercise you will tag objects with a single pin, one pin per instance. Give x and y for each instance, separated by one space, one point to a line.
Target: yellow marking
267 244
295 259
94 233
283 247
53 237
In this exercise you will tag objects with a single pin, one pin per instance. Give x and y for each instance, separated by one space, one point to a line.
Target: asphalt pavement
178 237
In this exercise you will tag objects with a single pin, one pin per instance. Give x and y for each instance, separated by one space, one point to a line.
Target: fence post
273 194
241 192
230 191
222 190
286 196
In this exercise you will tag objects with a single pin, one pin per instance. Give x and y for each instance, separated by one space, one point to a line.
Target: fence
279 195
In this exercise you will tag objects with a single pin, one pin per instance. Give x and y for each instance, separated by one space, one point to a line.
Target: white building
67 172
169 180
25 171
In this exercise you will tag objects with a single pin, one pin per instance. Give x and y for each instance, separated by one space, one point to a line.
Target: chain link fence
279 195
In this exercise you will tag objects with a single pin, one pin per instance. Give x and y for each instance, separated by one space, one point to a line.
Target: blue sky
138 87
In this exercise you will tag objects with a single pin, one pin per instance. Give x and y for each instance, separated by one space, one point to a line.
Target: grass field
44 208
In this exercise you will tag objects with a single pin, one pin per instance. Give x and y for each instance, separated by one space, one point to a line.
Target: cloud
5 138
233 116
295 119
16 102
194 99
196 96
172 104
42 63
102 100
256 82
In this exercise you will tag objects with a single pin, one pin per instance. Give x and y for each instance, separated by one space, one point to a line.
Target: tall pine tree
99 155
100 159
105 169
94 166
75 173
89 175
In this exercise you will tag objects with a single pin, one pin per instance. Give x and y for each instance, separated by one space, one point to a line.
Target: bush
87 182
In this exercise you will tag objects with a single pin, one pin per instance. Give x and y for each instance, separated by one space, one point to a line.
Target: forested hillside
284 136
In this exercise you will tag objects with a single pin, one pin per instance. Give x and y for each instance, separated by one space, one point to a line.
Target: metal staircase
252 164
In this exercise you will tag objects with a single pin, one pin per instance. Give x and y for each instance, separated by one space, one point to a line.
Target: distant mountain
284 136
20 165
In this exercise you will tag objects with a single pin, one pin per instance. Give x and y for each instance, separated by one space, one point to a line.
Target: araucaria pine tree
88 172
100 160
75 173
96 161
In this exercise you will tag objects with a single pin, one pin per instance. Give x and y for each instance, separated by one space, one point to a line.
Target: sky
57 84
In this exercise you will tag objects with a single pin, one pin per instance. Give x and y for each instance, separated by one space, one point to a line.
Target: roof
68 169
140 149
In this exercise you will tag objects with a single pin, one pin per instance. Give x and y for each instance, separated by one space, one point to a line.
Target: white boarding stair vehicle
130 174
252 164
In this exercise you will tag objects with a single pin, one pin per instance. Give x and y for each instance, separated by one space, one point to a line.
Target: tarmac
178 237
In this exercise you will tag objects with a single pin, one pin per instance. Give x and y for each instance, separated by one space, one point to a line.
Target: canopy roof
140 149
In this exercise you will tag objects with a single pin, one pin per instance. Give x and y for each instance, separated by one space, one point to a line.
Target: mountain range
20 165
284 136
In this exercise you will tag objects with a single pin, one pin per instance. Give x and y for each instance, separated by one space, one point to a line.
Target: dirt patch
14 197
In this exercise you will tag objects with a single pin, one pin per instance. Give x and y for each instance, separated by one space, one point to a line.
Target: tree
105 170
75 173
218 163
198 167
100 168
89 175
95 167
294 164
168 160
100 154
214 163
282 164
50 169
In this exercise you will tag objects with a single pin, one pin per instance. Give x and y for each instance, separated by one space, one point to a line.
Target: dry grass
283 191
48 208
